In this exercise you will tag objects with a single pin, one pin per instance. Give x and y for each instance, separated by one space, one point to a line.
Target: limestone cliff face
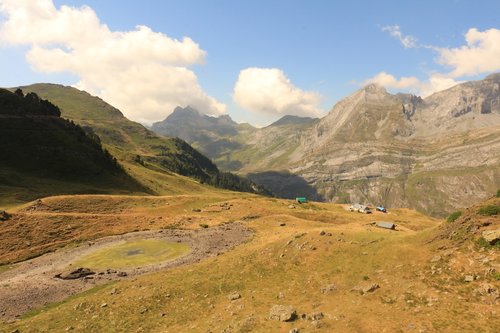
436 154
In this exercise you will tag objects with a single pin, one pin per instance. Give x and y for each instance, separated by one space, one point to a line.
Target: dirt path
31 284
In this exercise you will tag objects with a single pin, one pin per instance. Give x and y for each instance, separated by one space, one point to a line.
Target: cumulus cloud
390 81
142 72
395 31
480 55
269 91
435 82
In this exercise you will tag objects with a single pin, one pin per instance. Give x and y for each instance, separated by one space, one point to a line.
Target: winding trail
31 284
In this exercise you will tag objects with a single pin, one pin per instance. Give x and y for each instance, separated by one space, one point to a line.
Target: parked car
381 209
365 210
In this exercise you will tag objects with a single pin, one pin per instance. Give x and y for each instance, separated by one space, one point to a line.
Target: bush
203 225
489 210
498 194
453 216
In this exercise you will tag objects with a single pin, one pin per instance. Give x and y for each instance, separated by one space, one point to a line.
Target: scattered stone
487 289
316 316
282 224
196 210
121 274
280 295
104 305
234 296
322 233
294 330
388 300
366 288
282 313
328 289
4 216
436 258
75 274
291 206
492 236
469 278
113 291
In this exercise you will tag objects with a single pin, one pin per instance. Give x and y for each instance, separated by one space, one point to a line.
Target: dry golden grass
282 264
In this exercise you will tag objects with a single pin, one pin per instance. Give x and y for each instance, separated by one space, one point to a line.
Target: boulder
328 289
234 296
492 236
75 274
366 288
316 316
4 216
282 313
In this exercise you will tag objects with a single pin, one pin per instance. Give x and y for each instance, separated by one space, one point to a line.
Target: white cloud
395 31
435 82
480 55
390 81
269 91
142 72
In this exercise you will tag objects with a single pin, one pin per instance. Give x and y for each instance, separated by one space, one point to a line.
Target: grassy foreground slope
313 257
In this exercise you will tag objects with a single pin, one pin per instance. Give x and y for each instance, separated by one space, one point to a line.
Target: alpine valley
436 154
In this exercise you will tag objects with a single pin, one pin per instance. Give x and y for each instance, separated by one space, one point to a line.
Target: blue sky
326 48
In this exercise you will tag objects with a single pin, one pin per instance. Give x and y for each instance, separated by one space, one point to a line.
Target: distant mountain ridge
149 158
435 154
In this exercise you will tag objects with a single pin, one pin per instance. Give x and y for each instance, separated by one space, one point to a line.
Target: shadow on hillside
285 185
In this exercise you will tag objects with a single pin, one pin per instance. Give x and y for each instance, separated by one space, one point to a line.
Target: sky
254 60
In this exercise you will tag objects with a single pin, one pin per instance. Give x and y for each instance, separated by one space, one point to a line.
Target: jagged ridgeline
38 146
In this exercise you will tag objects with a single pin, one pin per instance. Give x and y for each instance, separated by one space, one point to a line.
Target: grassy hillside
147 157
41 154
313 257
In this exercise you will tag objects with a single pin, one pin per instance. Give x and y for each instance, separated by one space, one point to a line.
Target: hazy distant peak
293 120
374 88
493 77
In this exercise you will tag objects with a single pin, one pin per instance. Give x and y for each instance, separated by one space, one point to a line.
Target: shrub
453 216
489 210
203 225
498 194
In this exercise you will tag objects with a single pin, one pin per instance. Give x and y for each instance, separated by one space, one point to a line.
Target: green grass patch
498 194
4 268
132 254
489 210
453 216
481 242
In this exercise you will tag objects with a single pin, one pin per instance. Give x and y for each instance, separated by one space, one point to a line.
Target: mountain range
435 154
63 162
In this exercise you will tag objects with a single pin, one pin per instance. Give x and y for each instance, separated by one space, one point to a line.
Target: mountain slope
147 157
213 136
436 154
41 153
